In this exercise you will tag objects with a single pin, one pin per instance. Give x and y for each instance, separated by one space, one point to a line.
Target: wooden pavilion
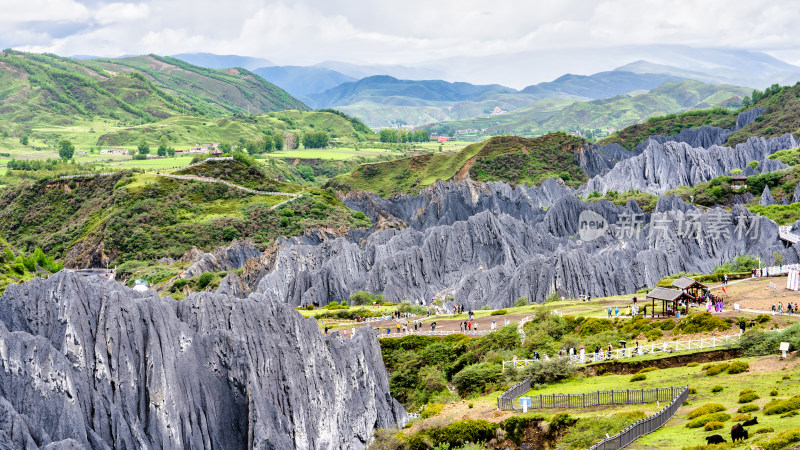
739 181
690 286
669 298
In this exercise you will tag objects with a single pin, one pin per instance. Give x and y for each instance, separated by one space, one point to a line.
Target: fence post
628 400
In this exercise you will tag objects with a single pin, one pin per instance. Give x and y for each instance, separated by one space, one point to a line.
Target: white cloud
42 11
307 31
121 12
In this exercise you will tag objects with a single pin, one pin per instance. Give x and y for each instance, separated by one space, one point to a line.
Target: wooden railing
587 400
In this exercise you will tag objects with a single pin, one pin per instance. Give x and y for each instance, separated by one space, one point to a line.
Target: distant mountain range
213 61
600 85
460 88
615 112
302 81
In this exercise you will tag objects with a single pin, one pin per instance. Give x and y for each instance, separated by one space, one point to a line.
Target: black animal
753 421
738 433
715 439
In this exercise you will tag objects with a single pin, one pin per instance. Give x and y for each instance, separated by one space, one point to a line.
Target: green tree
267 144
388 135
23 140
162 146
315 139
171 152
278 141
143 147
65 149
746 102
254 147
402 136
225 147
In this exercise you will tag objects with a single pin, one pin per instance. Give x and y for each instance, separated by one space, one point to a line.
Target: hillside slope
44 88
91 222
505 158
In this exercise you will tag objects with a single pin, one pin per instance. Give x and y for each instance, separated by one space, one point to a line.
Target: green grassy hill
782 115
616 112
48 89
505 158
144 217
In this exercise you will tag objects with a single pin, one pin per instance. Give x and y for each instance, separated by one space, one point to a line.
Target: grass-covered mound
505 158
242 171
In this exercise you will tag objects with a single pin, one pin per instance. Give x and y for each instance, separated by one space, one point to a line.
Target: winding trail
291 198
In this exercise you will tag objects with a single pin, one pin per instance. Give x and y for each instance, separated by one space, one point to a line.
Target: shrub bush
748 397
693 364
475 378
783 440
708 408
717 388
692 390
550 371
522 301
741 417
456 434
499 312
738 367
431 410
704 419
638 377
747 408
713 425
204 280
789 414
647 369
764 430
782 406
773 393
716 369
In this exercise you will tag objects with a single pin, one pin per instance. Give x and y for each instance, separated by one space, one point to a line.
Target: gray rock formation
747 117
88 363
664 166
766 197
599 160
510 245
796 195
223 258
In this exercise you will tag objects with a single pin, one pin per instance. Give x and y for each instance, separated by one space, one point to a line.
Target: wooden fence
644 426
626 353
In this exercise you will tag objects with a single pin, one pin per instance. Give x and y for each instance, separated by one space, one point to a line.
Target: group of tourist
468 325
790 308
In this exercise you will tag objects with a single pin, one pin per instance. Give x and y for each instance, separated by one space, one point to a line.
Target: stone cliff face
88 363
223 258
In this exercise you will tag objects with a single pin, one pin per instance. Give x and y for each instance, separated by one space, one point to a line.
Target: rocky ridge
88 363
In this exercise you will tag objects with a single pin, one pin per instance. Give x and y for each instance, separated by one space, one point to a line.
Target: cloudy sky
410 31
